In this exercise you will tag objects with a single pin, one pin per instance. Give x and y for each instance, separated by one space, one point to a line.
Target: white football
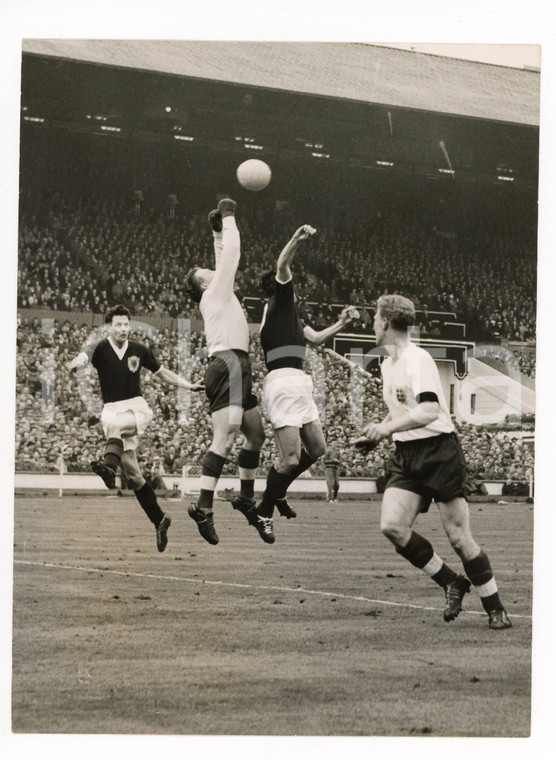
254 174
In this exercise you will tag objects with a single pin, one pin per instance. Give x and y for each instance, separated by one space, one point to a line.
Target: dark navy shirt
121 378
282 338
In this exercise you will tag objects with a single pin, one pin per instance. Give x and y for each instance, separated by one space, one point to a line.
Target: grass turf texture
326 632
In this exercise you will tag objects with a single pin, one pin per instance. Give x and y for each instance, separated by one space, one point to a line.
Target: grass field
326 632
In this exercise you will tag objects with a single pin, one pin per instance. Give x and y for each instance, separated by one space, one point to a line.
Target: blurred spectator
153 478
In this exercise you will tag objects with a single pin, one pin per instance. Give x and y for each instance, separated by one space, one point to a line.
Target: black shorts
432 467
228 381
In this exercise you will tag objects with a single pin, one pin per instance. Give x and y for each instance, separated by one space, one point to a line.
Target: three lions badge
400 395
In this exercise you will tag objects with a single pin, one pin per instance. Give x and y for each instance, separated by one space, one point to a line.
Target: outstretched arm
317 337
81 360
171 378
283 271
223 280
227 250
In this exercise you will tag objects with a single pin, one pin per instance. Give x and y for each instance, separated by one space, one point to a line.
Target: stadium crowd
58 411
84 254
77 255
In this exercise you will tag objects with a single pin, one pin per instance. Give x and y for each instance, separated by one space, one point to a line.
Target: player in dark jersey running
427 464
228 380
126 415
287 390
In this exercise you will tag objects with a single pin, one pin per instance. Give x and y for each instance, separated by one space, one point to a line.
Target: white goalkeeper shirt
405 379
225 321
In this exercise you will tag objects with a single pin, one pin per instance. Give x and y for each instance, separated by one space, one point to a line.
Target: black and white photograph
272 464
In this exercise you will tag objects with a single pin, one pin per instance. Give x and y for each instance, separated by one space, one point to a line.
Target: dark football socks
248 461
113 453
147 499
305 461
480 574
212 467
421 554
277 484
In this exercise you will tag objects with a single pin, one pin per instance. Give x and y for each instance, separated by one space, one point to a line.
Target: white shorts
143 416
288 398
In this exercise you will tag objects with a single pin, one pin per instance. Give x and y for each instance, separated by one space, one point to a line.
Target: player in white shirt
427 464
228 381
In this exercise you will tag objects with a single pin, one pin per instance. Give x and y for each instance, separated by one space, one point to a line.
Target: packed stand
58 410
87 255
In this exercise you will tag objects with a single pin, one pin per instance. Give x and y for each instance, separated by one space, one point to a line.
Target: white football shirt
412 373
225 321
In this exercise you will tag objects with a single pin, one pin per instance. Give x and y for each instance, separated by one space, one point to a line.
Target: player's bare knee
289 462
457 538
463 544
317 451
393 531
135 480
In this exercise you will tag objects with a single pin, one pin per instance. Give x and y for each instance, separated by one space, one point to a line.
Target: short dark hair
117 311
192 286
268 282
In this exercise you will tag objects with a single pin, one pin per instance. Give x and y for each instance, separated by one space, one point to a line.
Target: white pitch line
288 589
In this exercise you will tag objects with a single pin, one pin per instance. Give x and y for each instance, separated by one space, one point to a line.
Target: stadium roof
359 72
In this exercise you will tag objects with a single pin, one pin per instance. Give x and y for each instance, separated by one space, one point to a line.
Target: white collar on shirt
120 352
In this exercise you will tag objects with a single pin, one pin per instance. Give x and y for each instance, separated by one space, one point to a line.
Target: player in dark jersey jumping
125 415
287 389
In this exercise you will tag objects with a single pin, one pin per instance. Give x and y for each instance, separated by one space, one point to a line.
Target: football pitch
326 632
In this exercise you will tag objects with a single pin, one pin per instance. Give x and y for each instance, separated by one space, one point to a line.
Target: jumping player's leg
456 522
314 446
225 425
280 475
399 511
288 449
248 462
146 497
122 425
118 427
249 455
313 441
293 459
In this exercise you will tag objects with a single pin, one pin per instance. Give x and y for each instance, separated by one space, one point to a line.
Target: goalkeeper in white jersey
228 380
